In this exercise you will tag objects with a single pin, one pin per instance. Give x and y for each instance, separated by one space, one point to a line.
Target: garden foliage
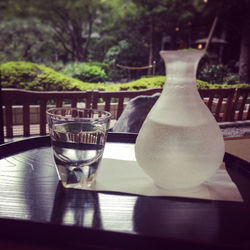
89 72
214 73
31 76
27 75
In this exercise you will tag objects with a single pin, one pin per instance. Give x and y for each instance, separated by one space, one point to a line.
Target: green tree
236 14
27 39
154 19
71 23
234 18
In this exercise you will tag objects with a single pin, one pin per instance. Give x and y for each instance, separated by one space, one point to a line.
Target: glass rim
107 115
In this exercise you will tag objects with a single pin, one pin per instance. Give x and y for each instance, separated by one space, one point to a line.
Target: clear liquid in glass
78 149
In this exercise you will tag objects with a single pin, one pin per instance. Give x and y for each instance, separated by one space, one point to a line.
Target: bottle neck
181 67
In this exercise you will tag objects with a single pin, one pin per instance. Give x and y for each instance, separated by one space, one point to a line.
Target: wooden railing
225 104
25 98
228 104
119 98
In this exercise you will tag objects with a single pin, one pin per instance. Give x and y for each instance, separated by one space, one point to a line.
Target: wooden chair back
219 102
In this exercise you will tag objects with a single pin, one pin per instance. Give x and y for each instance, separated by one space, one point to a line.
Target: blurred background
119 40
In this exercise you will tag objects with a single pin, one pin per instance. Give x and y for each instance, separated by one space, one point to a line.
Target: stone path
236 131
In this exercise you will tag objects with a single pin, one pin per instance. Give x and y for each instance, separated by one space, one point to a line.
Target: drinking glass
78 138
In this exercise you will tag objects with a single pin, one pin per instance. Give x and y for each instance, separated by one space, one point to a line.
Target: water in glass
78 148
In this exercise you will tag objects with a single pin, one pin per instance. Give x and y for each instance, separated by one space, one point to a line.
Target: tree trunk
77 42
150 58
86 48
244 60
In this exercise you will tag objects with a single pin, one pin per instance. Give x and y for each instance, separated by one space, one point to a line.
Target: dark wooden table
35 209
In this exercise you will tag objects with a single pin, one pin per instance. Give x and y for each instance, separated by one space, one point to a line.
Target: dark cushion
135 113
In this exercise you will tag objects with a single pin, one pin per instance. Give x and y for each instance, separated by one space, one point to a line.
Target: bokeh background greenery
78 45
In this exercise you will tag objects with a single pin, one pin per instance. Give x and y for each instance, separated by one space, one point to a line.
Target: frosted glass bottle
180 144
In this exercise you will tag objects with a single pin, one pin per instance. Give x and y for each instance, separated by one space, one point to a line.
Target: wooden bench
225 104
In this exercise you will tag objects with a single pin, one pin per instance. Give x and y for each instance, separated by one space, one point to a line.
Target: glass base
77 177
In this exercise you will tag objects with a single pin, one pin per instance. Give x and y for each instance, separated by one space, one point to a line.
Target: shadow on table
76 207
239 171
201 223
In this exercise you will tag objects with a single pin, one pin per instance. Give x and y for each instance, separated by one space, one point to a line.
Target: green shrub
143 83
232 79
101 65
228 86
57 66
214 73
113 53
89 72
127 53
31 76
203 85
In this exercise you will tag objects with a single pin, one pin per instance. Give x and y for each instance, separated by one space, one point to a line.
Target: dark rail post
1 115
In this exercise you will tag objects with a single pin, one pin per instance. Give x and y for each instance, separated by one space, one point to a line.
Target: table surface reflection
35 207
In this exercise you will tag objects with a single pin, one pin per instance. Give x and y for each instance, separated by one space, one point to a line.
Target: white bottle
180 144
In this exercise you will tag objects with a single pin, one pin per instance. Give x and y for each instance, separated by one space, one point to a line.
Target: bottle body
180 144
